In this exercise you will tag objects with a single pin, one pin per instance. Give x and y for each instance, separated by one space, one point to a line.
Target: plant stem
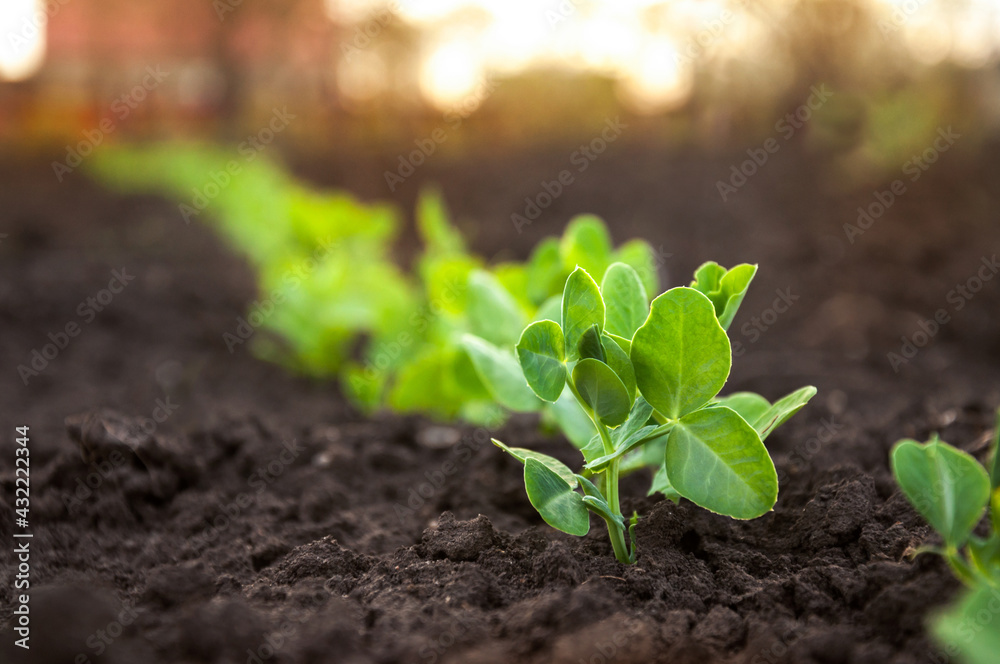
610 483
616 534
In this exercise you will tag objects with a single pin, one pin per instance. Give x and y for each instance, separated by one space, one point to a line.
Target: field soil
192 504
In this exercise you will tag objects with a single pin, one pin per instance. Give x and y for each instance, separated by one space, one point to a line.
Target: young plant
952 491
647 378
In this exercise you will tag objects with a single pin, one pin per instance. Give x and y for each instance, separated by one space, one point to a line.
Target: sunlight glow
654 49
451 73
22 38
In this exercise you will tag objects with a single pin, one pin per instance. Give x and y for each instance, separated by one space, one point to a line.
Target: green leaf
782 410
541 351
707 277
716 460
493 312
555 465
602 390
749 405
725 288
641 257
640 437
637 419
681 354
582 307
557 503
501 374
572 419
626 300
586 243
590 344
948 487
623 343
618 360
961 629
595 502
661 484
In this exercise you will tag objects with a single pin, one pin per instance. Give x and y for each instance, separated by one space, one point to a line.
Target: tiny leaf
681 354
782 410
749 405
541 351
725 288
947 486
716 460
626 300
558 504
553 464
602 390
582 307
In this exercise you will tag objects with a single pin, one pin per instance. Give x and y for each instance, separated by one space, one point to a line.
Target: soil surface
189 504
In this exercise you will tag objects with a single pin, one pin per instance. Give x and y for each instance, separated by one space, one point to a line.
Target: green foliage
395 339
953 491
632 384
647 376
725 288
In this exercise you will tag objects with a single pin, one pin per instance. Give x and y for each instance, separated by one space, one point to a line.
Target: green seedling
953 491
646 378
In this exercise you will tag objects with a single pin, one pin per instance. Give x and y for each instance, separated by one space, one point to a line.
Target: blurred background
365 75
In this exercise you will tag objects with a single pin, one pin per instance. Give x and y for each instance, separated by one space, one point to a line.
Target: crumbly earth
262 519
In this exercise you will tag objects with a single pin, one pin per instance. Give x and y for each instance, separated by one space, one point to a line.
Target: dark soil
265 520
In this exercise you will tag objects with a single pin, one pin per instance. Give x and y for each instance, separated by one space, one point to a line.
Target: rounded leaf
681 354
558 504
541 350
582 307
602 390
626 300
716 460
945 485
618 360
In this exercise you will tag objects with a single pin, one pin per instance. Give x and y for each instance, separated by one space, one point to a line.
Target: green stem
611 494
610 484
961 568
